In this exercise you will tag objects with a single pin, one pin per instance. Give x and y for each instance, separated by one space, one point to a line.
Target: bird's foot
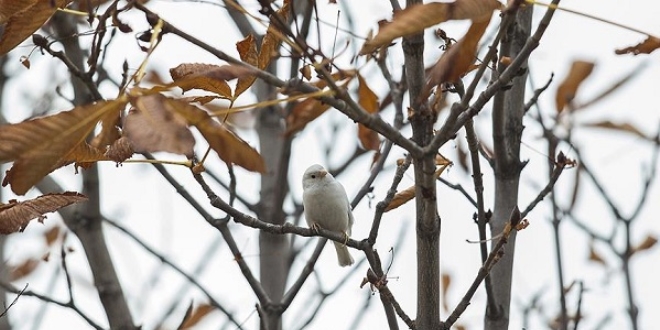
315 227
346 238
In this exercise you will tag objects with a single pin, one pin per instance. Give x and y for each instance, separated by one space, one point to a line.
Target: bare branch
559 168
460 113
18 295
9 288
343 103
494 256
537 93
214 302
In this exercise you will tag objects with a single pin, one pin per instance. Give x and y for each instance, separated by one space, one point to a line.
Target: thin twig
75 71
537 93
578 312
460 113
458 187
69 304
380 208
287 299
341 102
556 173
65 268
177 269
13 302
494 256
250 206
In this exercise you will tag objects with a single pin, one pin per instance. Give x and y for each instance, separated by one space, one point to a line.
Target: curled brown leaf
39 146
457 60
645 47
566 91
15 215
419 17
368 100
22 18
153 125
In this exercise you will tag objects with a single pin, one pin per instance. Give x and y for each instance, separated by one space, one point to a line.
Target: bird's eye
313 176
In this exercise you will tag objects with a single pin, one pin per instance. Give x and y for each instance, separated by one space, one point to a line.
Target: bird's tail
344 257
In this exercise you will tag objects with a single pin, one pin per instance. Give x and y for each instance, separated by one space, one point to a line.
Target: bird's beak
323 173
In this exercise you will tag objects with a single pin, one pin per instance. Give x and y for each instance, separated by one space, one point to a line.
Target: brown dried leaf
616 85
441 160
271 42
39 145
120 151
401 198
303 113
52 235
24 269
648 243
417 18
645 47
524 223
446 282
82 5
15 215
346 75
458 59
229 147
83 154
153 125
310 109
247 50
566 91
204 99
193 316
208 77
306 72
23 18
109 130
595 257
25 61
9 8
408 194
623 127
368 100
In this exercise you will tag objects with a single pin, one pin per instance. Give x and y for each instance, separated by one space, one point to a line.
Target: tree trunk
87 222
275 248
508 113
427 219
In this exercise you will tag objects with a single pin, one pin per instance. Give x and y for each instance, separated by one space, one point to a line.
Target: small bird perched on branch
326 206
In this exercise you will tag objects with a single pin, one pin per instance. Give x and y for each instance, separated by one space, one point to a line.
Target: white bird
326 206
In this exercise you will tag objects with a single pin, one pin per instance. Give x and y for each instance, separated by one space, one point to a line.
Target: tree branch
214 302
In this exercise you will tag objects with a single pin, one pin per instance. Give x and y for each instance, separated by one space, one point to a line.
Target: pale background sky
141 200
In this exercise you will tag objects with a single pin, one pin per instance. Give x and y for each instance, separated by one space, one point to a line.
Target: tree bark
275 248
87 222
508 113
427 219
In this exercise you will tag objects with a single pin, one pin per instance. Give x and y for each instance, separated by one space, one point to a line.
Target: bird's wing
351 220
